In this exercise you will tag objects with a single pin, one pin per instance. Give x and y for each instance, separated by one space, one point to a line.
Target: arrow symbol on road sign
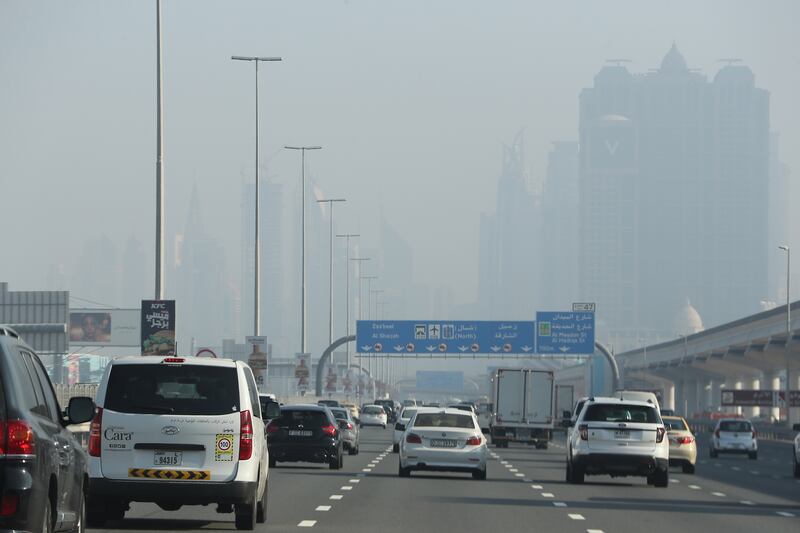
463 348
366 348
564 349
399 348
496 348
431 348
526 348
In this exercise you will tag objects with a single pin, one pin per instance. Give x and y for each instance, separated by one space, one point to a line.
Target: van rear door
510 396
539 397
171 421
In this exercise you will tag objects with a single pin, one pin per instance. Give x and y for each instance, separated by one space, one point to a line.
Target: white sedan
373 415
400 427
443 440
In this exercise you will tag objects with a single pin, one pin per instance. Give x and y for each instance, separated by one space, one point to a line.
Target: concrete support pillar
772 381
752 412
690 392
738 386
669 396
680 396
699 397
716 395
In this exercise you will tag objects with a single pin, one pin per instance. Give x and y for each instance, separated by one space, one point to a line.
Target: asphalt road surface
525 491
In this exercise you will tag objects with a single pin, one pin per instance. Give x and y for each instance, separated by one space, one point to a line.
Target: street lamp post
379 361
257 240
369 289
347 236
330 266
159 163
786 249
303 340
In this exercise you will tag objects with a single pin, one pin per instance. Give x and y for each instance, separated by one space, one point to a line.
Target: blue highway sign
565 332
445 337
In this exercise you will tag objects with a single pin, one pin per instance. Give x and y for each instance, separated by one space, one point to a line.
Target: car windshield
408 413
172 389
615 412
339 413
675 424
374 410
735 425
300 417
447 420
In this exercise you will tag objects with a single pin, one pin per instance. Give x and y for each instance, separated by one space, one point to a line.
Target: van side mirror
80 410
400 427
271 411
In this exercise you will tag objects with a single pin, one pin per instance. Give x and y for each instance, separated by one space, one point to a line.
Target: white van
179 431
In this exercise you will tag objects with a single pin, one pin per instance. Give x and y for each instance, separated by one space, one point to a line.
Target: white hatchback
443 440
734 435
179 431
373 415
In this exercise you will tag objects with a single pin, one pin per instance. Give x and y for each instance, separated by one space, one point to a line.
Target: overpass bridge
754 352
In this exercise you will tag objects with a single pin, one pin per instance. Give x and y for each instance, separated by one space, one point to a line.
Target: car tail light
245 436
173 360
754 433
95 430
272 428
9 504
660 432
329 430
413 438
684 440
16 438
474 440
584 431
349 425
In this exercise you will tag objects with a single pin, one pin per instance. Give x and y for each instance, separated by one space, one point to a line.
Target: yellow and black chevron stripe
175 475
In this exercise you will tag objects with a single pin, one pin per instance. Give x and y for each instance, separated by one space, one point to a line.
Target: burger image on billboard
158 327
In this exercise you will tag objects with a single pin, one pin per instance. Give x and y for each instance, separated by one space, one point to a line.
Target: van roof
159 359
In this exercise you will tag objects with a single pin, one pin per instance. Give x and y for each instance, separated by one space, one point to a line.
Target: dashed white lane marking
594 531
736 468
513 470
673 480
354 481
746 502
576 516
720 494
336 497
537 487
346 487
559 504
503 462
784 513
307 523
755 472
366 470
323 508
694 487
519 474
548 495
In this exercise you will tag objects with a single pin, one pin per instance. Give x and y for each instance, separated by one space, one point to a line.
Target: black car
308 433
44 468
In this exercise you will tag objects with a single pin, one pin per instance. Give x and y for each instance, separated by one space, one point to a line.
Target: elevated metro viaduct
754 352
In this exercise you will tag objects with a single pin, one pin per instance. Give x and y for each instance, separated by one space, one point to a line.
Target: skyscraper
673 196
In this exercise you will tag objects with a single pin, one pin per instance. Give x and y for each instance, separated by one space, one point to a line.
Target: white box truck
524 404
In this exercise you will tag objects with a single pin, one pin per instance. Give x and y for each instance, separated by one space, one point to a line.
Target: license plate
443 443
300 432
167 458
622 434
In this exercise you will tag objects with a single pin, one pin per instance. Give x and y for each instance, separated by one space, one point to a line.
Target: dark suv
42 466
305 433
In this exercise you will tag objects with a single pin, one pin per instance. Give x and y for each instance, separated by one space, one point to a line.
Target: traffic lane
624 504
291 487
433 501
770 474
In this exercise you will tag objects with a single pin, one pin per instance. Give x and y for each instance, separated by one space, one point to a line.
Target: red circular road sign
475 347
378 347
443 347
410 347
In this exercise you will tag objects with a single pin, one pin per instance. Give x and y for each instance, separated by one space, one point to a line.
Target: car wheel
403 472
47 516
661 478
578 475
95 514
384 426
688 468
753 455
80 525
479 474
245 513
352 450
796 466
396 448
568 474
335 463
261 506
272 462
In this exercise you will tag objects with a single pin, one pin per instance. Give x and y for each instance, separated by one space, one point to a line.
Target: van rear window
166 389
603 412
735 425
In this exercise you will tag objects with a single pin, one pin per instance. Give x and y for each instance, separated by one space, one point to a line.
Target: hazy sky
411 100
